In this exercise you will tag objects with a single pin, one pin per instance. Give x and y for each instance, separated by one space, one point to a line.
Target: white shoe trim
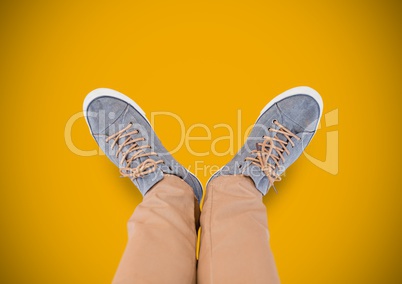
105 92
293 92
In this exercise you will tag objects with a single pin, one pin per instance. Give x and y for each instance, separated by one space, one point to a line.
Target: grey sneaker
124 134
283 130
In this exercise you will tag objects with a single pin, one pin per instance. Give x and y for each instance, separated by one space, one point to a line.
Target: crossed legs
234 236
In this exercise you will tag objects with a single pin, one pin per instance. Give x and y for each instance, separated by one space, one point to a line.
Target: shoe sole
302 90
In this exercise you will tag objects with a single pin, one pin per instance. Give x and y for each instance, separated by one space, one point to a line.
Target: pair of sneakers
282 131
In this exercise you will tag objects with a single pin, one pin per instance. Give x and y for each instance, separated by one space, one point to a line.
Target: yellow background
63 216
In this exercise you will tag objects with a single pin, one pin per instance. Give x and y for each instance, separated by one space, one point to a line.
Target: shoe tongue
145 182
278 145
274 152
259 178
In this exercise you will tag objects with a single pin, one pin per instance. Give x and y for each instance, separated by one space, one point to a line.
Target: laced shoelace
145 167
266 151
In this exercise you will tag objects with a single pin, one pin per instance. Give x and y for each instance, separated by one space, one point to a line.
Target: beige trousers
234 237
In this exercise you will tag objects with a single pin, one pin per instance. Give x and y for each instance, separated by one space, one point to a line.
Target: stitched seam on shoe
125 109
284 114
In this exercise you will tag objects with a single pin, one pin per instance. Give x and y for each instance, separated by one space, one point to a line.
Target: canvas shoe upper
284 128
124 134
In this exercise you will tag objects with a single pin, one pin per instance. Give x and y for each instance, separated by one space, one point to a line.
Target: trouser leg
235 239
162 237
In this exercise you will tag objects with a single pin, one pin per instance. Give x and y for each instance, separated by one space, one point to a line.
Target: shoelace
144 168
267 148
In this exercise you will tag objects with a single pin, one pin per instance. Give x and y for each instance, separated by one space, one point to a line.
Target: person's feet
283 130
125 135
